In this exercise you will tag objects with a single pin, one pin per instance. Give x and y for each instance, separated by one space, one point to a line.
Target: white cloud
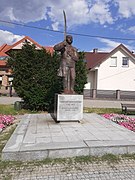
109 45
23 11
132 29
55 26
81 12
126 8
100 12
78 11
8 37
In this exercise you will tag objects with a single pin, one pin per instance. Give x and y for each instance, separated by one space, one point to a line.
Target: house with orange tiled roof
113 70
5 74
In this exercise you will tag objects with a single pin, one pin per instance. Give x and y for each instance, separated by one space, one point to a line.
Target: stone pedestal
68 107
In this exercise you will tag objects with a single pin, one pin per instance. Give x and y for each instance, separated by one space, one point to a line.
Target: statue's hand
64 43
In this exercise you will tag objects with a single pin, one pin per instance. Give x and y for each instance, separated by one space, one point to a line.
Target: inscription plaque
69 107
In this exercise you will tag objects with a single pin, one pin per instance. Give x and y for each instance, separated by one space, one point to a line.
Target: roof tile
3 63
94 58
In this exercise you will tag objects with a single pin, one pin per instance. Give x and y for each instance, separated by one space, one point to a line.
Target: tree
81 74
35 76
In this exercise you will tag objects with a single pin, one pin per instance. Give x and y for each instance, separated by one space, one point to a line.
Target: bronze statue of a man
69 56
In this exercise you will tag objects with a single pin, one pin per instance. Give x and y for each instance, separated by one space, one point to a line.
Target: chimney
95 50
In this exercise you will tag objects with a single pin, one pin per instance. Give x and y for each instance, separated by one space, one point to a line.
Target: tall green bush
81 74
35 76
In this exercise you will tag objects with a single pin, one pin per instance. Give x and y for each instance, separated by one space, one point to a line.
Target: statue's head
69 39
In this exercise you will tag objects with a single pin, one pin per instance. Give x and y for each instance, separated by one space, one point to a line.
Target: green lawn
102 110
9 109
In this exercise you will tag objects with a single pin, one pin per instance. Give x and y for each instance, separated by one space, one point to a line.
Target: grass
102 110
110 158
9 109
5 135
128 156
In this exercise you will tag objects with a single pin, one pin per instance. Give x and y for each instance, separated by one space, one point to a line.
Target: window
113 62
125 61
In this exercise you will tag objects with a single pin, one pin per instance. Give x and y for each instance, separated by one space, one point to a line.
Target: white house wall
90 80
113 78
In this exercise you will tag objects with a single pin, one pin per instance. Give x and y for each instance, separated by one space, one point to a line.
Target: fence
109 94
88 94
7 91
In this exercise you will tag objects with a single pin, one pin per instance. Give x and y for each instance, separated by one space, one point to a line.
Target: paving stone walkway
124 170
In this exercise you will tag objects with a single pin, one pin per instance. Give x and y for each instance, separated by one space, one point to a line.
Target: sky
101 24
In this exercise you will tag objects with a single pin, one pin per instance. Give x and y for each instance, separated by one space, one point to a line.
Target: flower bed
123 120
5 120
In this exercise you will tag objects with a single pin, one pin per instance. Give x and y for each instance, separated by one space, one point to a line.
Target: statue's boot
66 91
72 92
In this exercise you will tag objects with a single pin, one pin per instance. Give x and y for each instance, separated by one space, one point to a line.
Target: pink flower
121 119
2 126
6 119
